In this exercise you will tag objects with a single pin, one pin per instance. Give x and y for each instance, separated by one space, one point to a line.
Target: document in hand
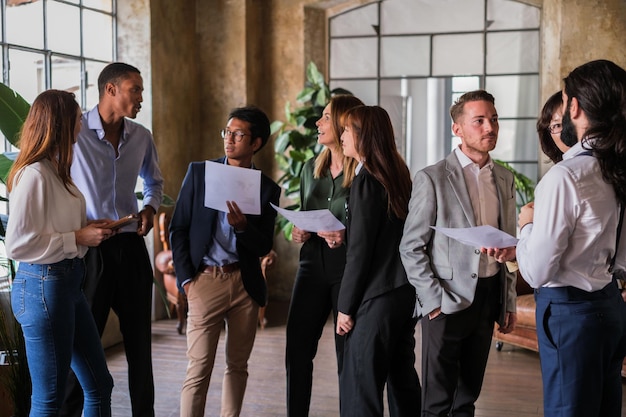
479 236
228 183
312 220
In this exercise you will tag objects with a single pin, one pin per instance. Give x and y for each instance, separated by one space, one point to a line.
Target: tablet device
122 222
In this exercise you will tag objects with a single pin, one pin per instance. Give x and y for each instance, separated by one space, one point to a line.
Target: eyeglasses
237 135
556 128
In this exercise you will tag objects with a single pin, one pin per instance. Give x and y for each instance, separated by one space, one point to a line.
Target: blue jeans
60 332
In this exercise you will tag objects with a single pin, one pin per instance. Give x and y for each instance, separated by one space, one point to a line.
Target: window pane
353 57
25 24
458 54
507 14
405 56
97 35
431 16
366 90
516 95
93 71
517 141
512 52
26 73
105 5
465 84
355 22
66 75
63 28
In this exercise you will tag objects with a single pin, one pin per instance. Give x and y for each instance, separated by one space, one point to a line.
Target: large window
60 44
415 57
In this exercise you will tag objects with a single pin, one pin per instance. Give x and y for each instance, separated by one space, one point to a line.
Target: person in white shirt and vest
570 245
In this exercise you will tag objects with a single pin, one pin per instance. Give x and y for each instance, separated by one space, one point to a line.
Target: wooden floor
512 386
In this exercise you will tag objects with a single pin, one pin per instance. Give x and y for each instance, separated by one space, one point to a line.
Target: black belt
224 269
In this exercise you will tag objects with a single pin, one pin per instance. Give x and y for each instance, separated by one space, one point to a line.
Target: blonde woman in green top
324 184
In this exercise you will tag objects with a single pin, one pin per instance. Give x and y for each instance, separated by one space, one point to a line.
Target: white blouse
43 216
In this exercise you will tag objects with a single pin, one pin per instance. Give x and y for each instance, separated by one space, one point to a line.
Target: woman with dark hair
376 301
324 183
549 127
48 234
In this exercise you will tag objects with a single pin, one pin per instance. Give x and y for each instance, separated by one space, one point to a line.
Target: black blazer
373 265
192 226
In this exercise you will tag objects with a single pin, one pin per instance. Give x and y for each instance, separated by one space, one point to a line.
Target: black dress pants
314 297
380 350
119 277
455 349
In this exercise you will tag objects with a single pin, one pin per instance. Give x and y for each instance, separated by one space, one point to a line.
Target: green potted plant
14 376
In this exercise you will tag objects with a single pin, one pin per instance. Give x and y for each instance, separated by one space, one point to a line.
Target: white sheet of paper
312 220
479 236
228 183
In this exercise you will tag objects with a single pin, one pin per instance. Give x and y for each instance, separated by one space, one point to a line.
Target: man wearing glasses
216 257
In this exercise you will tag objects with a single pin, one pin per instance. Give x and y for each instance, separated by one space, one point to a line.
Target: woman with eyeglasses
549 126
324 184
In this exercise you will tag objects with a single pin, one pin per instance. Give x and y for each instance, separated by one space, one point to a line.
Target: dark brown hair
554 103
600 88
375 143
456 110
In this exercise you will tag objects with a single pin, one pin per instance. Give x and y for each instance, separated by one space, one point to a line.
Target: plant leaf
6 162
14 110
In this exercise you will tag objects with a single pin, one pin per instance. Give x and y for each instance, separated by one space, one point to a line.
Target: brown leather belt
224 269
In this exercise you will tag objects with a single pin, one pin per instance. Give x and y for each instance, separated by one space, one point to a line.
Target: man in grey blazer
460 292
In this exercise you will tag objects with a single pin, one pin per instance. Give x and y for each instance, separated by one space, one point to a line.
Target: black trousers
315 294
380 350
119 277
455 349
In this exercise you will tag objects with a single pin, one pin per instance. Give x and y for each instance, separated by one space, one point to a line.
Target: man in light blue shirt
111 152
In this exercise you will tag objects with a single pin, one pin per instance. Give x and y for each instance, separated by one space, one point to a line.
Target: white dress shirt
43 217
572 237
484 196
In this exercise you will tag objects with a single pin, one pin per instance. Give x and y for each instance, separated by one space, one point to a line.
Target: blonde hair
48 133
339 106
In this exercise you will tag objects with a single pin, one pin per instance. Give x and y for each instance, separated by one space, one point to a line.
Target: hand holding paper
312 220
228 183
480 236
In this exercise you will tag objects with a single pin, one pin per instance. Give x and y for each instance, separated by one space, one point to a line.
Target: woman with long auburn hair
376 301
324 184
48 234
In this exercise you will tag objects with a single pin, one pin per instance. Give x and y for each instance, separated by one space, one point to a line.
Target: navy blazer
192 228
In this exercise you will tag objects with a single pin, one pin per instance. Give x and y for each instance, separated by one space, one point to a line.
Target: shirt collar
465 161
358 168
573 151
226 163
94 122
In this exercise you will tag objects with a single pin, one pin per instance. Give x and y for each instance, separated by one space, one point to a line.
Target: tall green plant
296 140
16 381
13 112
524 186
